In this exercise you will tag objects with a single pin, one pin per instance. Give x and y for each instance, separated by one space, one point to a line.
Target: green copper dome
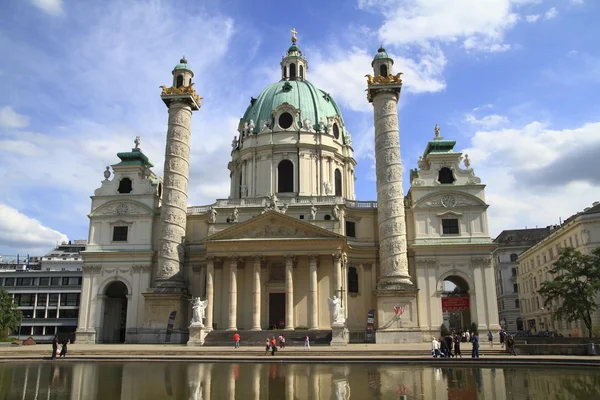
312 102
182 65
381 53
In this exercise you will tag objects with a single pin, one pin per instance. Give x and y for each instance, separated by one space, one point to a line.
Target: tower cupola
293 64
382 63
182 74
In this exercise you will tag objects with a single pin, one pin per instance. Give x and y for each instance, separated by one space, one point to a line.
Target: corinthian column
256 294
233 294
289 292
390 194
210 292
313 310
337 274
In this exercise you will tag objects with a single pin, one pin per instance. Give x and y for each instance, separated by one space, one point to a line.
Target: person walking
63 349
273 346
236 340
306 343
435 347
449 341
511 345
267 346
283 341
490 339
502 338
457 340
280 339
475 341
54 346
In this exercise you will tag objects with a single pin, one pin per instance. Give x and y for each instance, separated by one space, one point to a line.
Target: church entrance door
456 304
115 313
276 310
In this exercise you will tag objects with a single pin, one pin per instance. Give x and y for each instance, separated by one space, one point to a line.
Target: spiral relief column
181 99
384 92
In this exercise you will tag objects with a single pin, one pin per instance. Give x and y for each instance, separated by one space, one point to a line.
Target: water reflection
198 381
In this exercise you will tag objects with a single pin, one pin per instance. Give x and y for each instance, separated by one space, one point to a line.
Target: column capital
259 260
291 259
313 258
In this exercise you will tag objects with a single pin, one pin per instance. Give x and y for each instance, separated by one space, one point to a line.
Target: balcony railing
291 201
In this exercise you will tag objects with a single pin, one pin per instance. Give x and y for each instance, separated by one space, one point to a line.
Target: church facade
291 234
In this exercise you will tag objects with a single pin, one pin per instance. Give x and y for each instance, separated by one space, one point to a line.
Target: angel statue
198 310
212 215
336 309
251 127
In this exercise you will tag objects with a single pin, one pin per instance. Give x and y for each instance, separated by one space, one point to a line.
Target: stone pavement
414 353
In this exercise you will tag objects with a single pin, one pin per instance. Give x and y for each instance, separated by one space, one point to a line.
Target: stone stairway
257 338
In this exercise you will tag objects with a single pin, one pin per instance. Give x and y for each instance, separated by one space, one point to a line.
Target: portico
272 254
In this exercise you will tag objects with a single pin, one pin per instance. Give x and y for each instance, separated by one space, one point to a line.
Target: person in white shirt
435 347
306 343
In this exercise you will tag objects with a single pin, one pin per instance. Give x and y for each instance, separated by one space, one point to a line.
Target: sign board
170 326
455 303
370 332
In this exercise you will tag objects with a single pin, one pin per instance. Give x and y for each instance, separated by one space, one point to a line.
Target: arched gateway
114 316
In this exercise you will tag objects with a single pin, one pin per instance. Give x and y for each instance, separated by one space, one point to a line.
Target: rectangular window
69 299
69 313
28 313
9 282
516 303
50 330
55 282
545 259
45 281
24 281
40 313
52 314
41 299
53 299
515 288
38 330
514 272
65 281
24 299
450 226
73 281
352 280
350 229
120 234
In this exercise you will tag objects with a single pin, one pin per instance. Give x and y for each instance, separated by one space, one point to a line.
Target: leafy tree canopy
575 286
10 316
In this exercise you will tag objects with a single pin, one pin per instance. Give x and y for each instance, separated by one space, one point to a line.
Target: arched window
338 182
283 72
352 280
301 72
445 176
327 217
383 70
179 81
240 185
125 186
513 257
292 71
285 177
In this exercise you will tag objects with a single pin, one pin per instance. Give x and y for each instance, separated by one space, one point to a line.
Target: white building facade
291 235
510 244
581 232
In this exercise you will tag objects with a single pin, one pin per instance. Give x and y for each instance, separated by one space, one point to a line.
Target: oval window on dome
286 120
336 131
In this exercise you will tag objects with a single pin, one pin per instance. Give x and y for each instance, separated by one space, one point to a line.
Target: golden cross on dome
294 35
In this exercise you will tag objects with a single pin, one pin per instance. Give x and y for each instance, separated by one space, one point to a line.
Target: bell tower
294 65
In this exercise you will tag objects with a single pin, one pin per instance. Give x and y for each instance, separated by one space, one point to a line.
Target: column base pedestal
339 335
397 319
159 304
85 337
197 334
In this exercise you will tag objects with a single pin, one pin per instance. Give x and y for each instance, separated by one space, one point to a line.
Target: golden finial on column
294 35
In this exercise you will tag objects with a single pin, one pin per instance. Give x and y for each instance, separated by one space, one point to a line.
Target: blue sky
515 82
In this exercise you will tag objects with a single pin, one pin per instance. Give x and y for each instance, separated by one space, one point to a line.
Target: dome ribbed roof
182 65
313 103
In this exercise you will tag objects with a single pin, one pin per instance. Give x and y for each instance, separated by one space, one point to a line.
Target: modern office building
46 289
510 244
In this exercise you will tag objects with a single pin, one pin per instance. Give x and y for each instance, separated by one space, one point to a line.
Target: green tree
474 328
575 285
10 317
444 331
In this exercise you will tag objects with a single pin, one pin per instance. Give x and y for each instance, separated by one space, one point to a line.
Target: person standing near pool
54 346
475 341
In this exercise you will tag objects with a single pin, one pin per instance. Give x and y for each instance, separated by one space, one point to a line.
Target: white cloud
551 13
532 18
22 233
487 121
342 73
10 119
51 7
536 173
577 2
478 24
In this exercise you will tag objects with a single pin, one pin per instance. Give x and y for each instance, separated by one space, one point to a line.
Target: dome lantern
382 63
182 73
293 64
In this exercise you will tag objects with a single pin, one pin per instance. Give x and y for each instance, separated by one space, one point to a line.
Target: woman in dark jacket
54 346
63 350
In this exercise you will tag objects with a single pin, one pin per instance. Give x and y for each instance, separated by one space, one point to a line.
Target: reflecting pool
192 380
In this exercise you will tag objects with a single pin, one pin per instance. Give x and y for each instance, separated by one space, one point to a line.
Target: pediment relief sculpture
276 230
121 208
449 200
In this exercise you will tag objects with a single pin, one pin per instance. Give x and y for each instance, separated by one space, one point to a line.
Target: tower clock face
448 201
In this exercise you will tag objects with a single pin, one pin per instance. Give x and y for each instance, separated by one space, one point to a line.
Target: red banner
455 303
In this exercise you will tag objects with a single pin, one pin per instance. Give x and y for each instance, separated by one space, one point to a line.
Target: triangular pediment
273 225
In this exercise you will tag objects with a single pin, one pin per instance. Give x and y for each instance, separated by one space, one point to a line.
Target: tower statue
384 93
181 99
